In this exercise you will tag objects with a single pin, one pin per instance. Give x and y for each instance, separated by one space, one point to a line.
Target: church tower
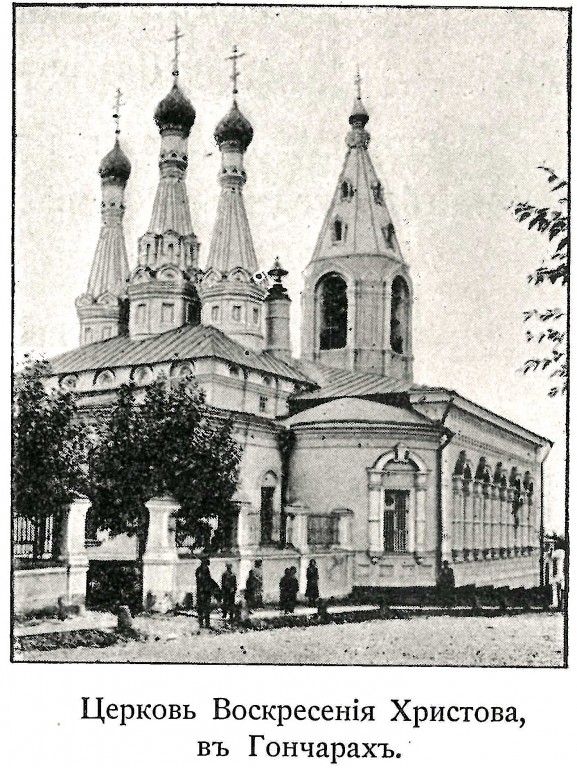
231 300
102 309
357 299
162 288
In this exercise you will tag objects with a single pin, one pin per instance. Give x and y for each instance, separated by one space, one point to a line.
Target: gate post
160 557
73 552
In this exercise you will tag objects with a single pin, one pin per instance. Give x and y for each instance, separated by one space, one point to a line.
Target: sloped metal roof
110 265
231 245
188 342
171 209
340 383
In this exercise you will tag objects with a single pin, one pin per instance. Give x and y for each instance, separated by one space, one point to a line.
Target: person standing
228 592
253 588
446 585
258 577
312 591
205 588
292 590
284 589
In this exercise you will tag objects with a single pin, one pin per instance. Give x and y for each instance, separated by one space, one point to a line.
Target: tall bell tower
357 299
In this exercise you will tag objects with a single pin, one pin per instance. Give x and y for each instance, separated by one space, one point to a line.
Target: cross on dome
174 39
358 81
235 73
116 106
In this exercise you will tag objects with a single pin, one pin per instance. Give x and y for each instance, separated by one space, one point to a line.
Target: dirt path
524 640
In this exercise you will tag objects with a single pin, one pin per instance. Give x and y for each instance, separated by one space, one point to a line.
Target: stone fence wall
40 588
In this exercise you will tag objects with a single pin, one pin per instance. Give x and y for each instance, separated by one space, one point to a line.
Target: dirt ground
522 640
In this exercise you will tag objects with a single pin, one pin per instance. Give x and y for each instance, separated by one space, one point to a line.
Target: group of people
207 589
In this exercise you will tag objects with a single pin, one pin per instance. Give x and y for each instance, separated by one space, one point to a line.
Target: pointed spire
231 244
101 309
359 115
357 220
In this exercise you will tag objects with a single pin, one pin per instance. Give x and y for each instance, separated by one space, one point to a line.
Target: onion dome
358 113
175 111
115 165
234 127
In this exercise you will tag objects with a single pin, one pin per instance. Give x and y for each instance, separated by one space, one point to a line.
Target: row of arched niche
331 298
140 375
493 510
499 476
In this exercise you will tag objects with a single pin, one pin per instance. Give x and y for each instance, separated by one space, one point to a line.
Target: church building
382 479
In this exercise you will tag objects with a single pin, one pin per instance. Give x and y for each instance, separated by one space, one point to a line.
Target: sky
464 106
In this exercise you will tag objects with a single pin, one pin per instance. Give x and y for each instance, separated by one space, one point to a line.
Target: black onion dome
175 111
358 113
234 127
115 164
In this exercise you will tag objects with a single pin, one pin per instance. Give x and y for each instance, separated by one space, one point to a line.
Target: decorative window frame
382 476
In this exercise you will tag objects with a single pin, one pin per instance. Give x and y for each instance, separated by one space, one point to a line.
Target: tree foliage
168 443
47 450
549 327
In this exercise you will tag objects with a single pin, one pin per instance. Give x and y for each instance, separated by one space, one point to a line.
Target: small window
267 380
255 315
167 313
88 335
338 231
106 332
140 314
262 403
347 190
233 370
236 310
377 188
214 313
389 234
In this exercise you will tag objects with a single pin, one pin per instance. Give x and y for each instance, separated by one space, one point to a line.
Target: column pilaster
160 557
73 550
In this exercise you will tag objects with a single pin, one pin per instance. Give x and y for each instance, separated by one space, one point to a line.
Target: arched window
347 190
389 234
267 490
142 375
332 296
399 315
104 380
339 231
